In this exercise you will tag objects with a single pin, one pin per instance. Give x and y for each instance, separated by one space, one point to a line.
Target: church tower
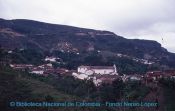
115 69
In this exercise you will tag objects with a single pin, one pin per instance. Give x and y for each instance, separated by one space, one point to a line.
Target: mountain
45 37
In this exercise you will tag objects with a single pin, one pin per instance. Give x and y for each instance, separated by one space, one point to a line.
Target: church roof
97 67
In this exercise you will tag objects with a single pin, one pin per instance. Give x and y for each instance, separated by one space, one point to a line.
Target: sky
133 19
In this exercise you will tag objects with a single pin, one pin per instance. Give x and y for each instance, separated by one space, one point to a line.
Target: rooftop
97 67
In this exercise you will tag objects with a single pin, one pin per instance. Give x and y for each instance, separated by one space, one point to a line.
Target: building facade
102 70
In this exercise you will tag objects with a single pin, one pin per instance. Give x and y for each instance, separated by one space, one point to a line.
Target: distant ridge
48 37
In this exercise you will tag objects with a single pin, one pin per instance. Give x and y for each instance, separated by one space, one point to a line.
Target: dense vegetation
169 93
22 86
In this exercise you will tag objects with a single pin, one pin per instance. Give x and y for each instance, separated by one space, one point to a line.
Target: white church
91 72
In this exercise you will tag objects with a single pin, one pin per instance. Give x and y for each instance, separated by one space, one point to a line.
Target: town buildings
98 74
156 75
44 69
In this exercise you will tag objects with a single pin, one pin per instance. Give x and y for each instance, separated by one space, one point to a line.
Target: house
42 69
21 66
62 71
45 66
135 77
10 51
154 75
106 78
89 70
169 74
37 70
97 82
80 76
51 59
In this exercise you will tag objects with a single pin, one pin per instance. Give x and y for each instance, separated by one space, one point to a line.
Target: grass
169 95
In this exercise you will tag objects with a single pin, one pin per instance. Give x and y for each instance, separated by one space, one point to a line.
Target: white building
92 72
80 76
135 78
89 70
40 72
96 81
51 59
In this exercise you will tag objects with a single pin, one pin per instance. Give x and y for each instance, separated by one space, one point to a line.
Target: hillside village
98 74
